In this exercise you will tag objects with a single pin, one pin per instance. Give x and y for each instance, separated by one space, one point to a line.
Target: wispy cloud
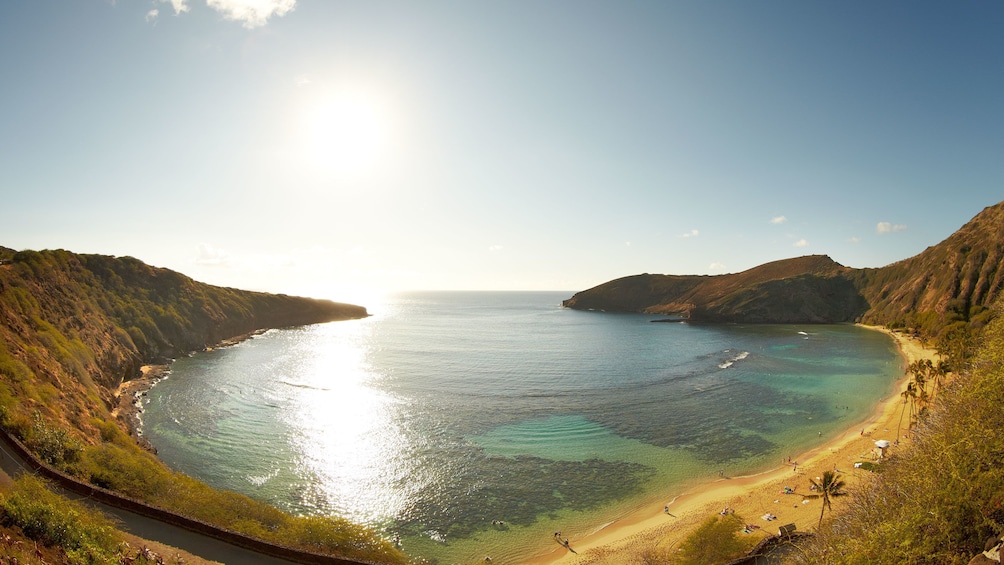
854 239
691 233
886 227
152 15
178 5
801 243
716 266
210 256
778 220
252 13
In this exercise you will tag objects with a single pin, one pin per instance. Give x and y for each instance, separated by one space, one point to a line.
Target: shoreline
750 496
129 394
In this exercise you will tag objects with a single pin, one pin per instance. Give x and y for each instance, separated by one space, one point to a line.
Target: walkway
195 543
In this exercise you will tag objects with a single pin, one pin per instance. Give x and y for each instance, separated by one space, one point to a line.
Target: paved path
195 543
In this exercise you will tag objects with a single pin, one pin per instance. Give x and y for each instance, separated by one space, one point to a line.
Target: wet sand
753 496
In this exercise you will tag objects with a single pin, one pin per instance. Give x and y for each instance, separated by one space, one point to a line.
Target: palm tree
829 486
938 374
908 394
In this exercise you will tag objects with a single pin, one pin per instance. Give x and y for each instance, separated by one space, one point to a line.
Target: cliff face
952 282
73 327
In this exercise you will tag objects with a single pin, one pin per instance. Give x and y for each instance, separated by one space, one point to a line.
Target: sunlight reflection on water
345 428
445 412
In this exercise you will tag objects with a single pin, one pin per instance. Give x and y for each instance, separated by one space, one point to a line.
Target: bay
477 423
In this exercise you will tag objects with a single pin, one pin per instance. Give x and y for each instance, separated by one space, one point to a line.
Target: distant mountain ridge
954 281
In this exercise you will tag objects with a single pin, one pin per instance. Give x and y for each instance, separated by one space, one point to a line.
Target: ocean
473 424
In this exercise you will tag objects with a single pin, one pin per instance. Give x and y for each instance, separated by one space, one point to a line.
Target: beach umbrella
882 444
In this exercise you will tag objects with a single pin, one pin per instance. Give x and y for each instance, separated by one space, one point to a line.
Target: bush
53 444
86 535
717 540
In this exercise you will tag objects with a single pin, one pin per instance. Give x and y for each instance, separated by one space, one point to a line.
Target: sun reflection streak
349 438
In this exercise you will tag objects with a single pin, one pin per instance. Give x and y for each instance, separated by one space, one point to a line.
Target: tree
717 540
829 486
938 374
907 395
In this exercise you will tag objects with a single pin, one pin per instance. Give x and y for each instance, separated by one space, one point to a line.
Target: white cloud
251 13
886 227
854 239
691 233
178 5
778 220
801 243
716 266
152 14
212 257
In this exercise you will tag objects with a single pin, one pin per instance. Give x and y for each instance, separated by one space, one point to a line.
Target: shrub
717 540
86 535
53 444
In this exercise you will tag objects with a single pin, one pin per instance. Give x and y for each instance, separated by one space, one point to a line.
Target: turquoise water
444 413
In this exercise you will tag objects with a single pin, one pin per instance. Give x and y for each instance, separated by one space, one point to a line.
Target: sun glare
345 133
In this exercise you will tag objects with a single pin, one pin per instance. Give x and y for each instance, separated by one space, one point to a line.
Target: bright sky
325 148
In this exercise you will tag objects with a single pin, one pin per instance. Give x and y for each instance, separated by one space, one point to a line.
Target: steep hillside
949 284
954 281
73 327
812 289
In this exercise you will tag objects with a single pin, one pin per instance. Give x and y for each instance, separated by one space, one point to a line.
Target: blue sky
331 149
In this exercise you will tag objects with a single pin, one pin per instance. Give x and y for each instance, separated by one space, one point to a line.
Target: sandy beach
750 497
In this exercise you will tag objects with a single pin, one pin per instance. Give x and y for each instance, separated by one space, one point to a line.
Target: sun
345 133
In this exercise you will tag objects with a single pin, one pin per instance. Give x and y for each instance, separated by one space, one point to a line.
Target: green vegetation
86 536
941 499
39 526
717 540
72 327
829 486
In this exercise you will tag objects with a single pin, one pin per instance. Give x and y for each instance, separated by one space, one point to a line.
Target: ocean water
446 413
